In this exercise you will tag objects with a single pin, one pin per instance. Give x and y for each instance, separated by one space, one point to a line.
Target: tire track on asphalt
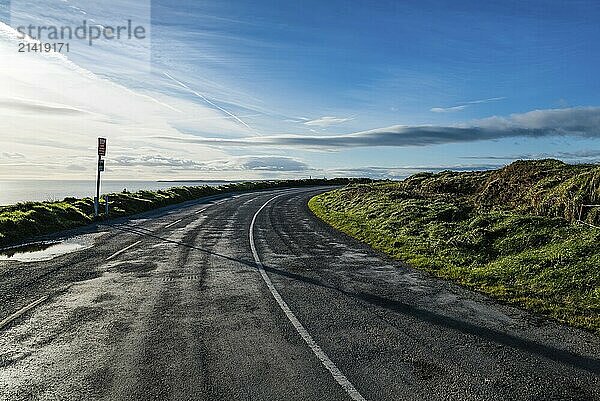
137 230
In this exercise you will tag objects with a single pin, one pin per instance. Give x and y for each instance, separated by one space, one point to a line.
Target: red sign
101 146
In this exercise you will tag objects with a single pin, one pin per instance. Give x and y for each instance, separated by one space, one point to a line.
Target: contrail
224 117
209 102
159 102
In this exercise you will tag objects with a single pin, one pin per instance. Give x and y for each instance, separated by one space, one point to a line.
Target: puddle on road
40 251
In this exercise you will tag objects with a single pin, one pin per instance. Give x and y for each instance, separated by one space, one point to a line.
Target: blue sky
397 60
239 82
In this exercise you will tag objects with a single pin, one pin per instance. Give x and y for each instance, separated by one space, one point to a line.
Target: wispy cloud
239 163
156 161
464 105
35 107
296 119
583 122
326 121
447 109
51 110
76 167
405 171
267 163
12 155
491 99
574 155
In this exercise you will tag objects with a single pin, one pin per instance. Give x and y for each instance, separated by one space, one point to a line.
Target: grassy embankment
27 220
510 233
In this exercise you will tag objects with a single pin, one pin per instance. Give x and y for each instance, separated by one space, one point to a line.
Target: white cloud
582 122
9 155
36 108
76 167
52 110
464 105
447 109
491 99
265 163
156 161
327 121
587 155
395 173
234 163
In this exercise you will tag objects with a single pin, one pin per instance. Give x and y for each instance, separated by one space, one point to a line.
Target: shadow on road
528 346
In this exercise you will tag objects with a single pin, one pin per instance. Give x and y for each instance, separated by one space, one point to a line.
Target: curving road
252 298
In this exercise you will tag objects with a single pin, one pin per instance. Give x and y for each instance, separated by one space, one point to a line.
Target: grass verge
24 221
509 233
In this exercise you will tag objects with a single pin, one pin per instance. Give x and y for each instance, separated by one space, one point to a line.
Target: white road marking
114 255
173 223
337 374
22 311
41 300
135 243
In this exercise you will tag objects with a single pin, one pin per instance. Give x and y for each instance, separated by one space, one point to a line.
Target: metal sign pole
101 152
97 198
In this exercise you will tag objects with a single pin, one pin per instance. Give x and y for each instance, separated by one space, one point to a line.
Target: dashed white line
173 223
114 255
337 374
135 243
22 311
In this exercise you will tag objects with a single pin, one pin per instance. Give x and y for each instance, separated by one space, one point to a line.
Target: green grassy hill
510 233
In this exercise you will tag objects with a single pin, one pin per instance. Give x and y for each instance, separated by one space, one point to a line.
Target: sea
14 191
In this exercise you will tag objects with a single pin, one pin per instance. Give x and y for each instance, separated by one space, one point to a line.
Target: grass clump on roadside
510 233
27 220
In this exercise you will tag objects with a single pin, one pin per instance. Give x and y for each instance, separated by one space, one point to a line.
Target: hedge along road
182 310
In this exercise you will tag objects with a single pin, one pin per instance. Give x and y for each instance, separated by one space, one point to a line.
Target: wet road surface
250 297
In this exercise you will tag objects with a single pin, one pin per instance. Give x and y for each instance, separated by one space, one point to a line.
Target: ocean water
13 191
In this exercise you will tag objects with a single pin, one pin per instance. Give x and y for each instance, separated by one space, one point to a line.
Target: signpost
101 146
101 153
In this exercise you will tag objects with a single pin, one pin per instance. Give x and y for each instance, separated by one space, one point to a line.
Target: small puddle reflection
40 251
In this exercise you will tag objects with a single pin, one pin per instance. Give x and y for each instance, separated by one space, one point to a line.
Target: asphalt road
187 304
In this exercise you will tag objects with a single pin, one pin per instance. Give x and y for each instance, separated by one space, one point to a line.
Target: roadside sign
101 152
101 146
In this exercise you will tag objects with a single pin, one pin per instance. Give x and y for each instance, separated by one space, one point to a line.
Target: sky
270 89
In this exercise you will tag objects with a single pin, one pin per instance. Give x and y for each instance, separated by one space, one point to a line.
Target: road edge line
114 255
22 311
336 373
173 223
